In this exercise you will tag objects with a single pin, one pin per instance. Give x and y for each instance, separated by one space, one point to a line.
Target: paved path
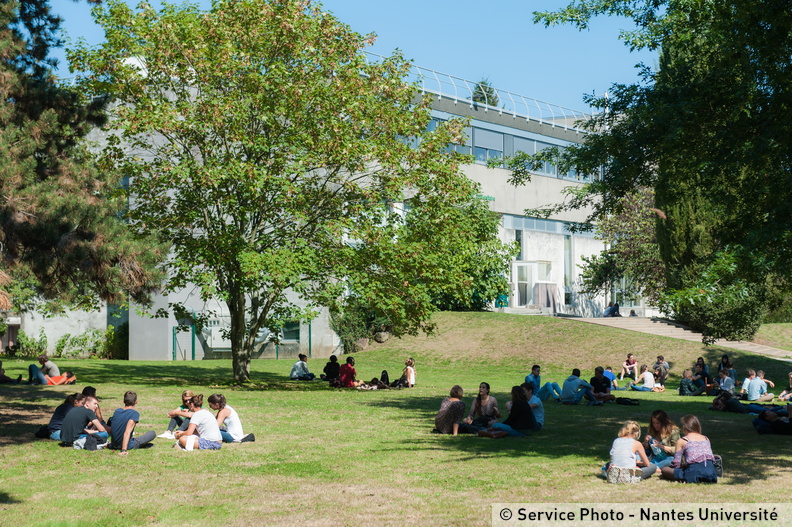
656 326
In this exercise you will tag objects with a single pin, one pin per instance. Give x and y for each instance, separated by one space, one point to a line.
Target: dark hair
478 397
765 414
70 399
78 398
528 386
130 399
197 400
333 358
89 390
217 398
518 394
456 391
69 375
351 360
534 367
43 357
576 372
599 369
302 356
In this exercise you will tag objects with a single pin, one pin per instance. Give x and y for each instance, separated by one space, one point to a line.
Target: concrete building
544 277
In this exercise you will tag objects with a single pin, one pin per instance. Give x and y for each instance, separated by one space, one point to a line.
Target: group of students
78 422
681 453
345 375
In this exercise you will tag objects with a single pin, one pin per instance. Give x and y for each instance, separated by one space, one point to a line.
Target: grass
345 457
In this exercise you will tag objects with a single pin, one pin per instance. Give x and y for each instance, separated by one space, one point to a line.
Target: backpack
384 378
626 401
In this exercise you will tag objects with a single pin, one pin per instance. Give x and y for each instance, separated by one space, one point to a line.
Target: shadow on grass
588 431
29 410
6 499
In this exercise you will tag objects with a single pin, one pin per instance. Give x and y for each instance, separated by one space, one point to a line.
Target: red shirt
347 375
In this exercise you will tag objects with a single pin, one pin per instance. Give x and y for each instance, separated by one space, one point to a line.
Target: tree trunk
239 351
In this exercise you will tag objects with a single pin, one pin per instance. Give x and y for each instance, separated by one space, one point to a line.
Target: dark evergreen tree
61 236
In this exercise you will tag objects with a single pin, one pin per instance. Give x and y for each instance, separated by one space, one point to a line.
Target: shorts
205 444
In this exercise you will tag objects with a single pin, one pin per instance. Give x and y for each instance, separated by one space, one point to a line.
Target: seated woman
785 395
686 385
180 417
626 448
629 367
228 421
726 364
725 382
697 451
648 380
483 410
56 421
452 409
299 371
704 370
521 420
409 373
661 439
203 432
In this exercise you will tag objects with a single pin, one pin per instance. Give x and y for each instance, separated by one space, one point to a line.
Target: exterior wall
70 323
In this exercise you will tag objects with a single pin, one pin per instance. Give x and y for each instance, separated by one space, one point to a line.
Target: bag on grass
718 465
384 378
627 401
621 475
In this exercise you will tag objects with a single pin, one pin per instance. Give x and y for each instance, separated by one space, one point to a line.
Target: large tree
280 163
709 131
61 240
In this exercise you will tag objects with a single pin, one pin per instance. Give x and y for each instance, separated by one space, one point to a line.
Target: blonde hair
630 429
187 394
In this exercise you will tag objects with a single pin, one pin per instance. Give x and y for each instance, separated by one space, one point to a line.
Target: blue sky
472 40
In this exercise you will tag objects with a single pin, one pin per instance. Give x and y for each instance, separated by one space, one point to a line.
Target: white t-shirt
648 379
233 424
206 425
410 375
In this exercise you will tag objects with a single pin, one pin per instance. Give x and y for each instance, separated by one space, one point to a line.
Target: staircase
667 328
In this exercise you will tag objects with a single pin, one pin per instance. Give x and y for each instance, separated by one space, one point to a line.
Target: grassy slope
344 457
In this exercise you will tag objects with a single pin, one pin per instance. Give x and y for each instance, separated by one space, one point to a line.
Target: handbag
620 475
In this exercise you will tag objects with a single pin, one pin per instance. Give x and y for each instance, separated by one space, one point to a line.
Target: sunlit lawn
344 457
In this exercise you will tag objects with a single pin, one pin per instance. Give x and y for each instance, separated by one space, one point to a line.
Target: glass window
545 271
488 139
524 145
291 331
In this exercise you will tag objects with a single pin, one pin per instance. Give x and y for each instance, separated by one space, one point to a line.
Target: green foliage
484 93
354 321
278 162
30 346
93 343
632 251
59 229
709 132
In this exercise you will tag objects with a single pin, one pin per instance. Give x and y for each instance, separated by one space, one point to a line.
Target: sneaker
167 434
248 439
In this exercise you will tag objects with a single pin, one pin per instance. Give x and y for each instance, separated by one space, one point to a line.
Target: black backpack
384 378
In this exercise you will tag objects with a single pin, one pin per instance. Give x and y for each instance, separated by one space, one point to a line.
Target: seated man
299 371
123 426
38 375
535 403
757 391
600 386
608 373
575 389
550 389
348 374
78 419
203 430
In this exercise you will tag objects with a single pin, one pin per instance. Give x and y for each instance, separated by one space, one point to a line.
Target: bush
29 346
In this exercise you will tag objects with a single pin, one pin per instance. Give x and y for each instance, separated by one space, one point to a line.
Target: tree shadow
7 499
588 431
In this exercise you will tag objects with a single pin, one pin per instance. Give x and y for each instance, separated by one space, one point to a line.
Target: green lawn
345 457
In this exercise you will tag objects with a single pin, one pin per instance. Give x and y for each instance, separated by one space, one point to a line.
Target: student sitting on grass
661 439
348 374
56 421
686 385
299 371
38 375
695 448
575 389
78 419
521 420
452 409
546 390
228 420
483 410
123 427
785 395
601 385
332 370
629 367
626 448
648 380
203 430
180 417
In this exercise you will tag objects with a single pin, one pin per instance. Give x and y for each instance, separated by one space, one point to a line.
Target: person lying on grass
203 430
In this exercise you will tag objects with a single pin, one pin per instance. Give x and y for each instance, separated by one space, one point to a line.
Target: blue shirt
120 419
756 389
609 375
536 380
